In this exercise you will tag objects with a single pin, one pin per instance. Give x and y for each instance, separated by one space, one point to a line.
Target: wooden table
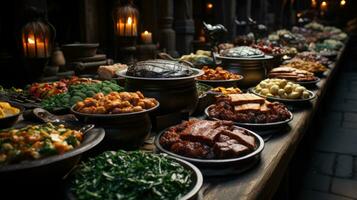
262 181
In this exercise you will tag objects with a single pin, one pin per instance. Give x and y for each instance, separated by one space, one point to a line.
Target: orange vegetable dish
218 74
115 103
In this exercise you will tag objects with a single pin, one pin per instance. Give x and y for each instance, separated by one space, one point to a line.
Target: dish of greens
78 93
132 175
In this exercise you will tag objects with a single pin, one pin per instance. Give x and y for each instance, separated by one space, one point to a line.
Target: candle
30 47
323 6
146 37
128 27
120 28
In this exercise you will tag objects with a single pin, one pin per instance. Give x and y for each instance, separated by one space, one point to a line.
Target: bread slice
247 107
239 99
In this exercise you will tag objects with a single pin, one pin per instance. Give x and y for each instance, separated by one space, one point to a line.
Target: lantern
37 39
125 17
126 20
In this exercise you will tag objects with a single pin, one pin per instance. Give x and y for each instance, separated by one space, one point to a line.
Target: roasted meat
208 139
242 137
248 112
191 149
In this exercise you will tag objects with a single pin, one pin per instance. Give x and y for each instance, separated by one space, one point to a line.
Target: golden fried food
217 74
115 103
7 110
309 66
225 91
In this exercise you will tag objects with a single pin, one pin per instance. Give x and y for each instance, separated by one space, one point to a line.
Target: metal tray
219 167
192 194
288 101
257 125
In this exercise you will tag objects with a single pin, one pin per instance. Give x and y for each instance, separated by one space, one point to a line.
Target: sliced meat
242 137
169 138
202 131
191 149
229 149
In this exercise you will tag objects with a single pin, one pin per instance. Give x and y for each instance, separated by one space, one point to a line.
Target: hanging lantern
37 39
126 20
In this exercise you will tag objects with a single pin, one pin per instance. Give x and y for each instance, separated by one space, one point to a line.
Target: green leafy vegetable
77 93
131 175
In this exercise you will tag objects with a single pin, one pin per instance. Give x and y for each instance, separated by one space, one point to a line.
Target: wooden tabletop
262 181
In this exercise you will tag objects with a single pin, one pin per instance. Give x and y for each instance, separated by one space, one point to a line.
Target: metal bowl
174 94
197 181
286 101
252 69
260 126
216 167
8 121
52 167
127 130
221 83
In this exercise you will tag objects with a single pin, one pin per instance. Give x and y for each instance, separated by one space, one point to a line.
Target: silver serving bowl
270 125
253 70
197 181
287 101
178 94
216 167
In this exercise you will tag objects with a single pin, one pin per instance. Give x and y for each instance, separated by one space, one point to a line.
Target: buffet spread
232 106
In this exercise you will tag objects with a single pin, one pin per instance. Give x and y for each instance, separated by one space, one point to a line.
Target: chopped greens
131 175
77 93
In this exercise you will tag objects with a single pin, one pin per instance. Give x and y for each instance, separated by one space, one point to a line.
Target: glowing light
30 40
342 2
323 6
130 21
209 6
313 3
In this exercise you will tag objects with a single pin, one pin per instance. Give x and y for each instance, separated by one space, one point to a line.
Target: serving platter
260 126
112 115
308 83
220 167
288 101
52 167
197 181
221 83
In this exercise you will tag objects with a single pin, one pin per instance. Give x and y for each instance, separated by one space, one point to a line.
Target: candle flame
146 32
130 21
313 3
342 2
31 40
209 5
324 3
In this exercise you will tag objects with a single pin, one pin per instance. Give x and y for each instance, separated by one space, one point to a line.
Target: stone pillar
225 15
167 34
89 21
184 26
